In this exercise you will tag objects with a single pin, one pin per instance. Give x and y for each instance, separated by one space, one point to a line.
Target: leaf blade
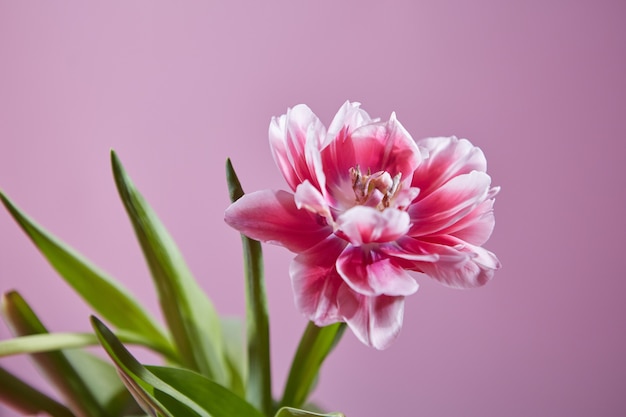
55 365
259 383
315 345
27 399
175 387
190 315
100 291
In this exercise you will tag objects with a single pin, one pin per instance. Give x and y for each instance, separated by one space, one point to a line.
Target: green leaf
294 412
46 342
212 397
233 331
28 400
190 315
100 291
179 392
259 387
56 366
315 345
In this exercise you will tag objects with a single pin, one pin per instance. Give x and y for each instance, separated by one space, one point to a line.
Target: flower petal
362 225
370 272
310 198
374 147
447 158
295 139
386 147
272 216
316 282
349 117
376 321
476 227
449 203
460 265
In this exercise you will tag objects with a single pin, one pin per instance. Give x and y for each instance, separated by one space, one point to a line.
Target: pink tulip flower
368 204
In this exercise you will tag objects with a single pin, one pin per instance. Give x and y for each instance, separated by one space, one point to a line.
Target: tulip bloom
368 204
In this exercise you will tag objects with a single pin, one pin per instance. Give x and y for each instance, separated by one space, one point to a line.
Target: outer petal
447 158
460 264
376 321
448 204
316 282
272 216
295 139
362 225
476 227
370 272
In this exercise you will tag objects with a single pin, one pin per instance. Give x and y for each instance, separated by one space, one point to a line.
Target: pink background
540 86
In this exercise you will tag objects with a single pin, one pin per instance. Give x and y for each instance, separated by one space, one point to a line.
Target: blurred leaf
293 412
178 392
233 331
57 365
315 345
212 397
259 386
28 400
100 291
46 342
103 381
190 315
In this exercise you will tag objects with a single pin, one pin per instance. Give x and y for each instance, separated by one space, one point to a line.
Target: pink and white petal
277 134
294 139
449 203
362 225
460 266
476 227
407 250
448 157
370 272
272 216
349 117
315 281
386 146
310 198
376 321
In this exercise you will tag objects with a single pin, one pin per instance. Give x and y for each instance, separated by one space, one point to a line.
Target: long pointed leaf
55 365
28 400
190 393
315 345
259 387
47 342
99 290
190 315
233 331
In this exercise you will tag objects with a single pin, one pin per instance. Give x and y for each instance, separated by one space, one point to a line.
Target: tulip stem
315 345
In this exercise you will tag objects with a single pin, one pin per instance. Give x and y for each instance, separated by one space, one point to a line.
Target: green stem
315 345
259 384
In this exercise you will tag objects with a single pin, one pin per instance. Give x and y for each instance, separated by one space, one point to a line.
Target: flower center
374 190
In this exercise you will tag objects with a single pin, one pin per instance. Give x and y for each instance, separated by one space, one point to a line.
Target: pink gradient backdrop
540 86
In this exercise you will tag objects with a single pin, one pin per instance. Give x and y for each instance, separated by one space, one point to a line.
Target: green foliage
221 363
100 291
89 385
172 391
190 315
315 345
259 387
